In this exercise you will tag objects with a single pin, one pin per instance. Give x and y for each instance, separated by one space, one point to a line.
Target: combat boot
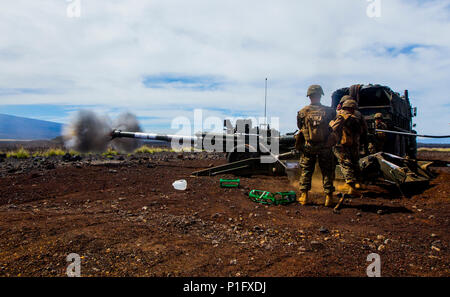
328 200
303 200
352 190
359 186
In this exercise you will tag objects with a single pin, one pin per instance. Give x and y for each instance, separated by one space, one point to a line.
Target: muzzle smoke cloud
126 122
90 132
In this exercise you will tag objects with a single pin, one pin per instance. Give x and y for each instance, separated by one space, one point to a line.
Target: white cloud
102 57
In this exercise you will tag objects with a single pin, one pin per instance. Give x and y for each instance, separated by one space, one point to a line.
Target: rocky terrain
124 218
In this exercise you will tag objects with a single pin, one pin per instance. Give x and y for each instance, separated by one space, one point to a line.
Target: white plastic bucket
180 185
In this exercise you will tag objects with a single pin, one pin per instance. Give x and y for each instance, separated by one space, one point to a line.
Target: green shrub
19 154
151 150
110 153
54 152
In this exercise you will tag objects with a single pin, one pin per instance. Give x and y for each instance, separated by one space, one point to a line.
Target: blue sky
162 59
181 81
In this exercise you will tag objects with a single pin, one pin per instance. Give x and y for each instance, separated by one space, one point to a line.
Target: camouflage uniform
348 128
380 137
316 150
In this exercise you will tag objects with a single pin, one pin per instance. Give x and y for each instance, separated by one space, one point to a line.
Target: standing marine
349 128
379 139
313 123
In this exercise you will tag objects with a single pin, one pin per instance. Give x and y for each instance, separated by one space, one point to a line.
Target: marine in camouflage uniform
348 129
313 123
364 140
379 139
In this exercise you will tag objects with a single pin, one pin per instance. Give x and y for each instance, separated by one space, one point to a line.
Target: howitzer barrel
152 136
225 142
412 134
285 139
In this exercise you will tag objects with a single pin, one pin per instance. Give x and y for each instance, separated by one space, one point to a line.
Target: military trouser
324 155
348 158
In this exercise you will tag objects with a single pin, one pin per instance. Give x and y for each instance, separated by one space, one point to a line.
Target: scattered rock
316 245
69 158
436 243
434 248
323 230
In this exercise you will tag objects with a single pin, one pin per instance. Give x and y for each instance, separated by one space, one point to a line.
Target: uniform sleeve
300 120
337 124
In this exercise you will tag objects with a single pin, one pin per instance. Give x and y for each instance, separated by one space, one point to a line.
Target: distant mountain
12 127
433 145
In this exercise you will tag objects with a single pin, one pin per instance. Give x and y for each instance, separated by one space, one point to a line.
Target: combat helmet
345 98
350 103
314 89
378 115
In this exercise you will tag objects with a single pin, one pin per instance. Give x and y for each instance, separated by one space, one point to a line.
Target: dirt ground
124 218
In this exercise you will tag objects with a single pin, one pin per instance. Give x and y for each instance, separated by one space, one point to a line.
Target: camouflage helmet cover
350 103
378 115
314 89
345 98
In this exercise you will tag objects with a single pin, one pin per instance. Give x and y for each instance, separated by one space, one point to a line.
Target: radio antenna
265 104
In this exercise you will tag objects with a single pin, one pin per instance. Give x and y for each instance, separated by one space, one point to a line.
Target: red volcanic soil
124 218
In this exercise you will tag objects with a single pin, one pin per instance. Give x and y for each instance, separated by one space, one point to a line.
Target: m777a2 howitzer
246 146
249 150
